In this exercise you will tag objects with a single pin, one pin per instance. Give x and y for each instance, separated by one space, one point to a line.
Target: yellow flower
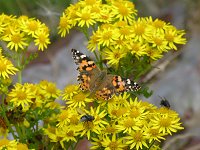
65 25
173 37
69 91
80 99
21 146
30 26
21 96
96 142
140 30
158 41
128 124
93 42
68 135
90 3
166 124
63 117
49 90
153 53
157 25
137 49
106 14
116 112
113 143
124 10
114 55
110 129
96 125
41 39
16 40
137 139
6 68
85 17
52 133
8 144
107 35
153 134
126 32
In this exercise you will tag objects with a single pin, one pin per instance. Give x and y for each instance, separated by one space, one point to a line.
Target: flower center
51 89
138 136
169 37
63 115
85 16
110 129
135 47
16 38
129 123
157 41
113 145
79 97
125 31
165 122
74 120
134 113
21 95
159 24
107 35
32 26
117 55
42 39
123 10
139 30
154 132
64 22
70 134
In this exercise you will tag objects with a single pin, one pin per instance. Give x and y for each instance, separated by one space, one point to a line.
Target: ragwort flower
20 95
113 143
6 68
41 39
114 55
16 40
137 139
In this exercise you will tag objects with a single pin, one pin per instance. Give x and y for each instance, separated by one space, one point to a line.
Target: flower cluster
90 12
19 32
120 123
116 32
25 106
30 112
12 145
29 96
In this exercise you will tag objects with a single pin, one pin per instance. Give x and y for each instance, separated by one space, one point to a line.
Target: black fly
87 118
164 102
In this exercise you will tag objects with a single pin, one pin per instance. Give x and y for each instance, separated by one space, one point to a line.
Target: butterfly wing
87 69
115 85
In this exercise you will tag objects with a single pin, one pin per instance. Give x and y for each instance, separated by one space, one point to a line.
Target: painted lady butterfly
97 81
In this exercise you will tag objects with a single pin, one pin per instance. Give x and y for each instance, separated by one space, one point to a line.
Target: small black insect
164 102
86 118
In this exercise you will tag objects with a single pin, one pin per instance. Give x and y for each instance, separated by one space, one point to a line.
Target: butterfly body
97 81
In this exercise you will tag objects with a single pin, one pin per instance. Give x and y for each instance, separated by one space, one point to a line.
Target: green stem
6 119
19 132
19 67
151 144
85 32
96 56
